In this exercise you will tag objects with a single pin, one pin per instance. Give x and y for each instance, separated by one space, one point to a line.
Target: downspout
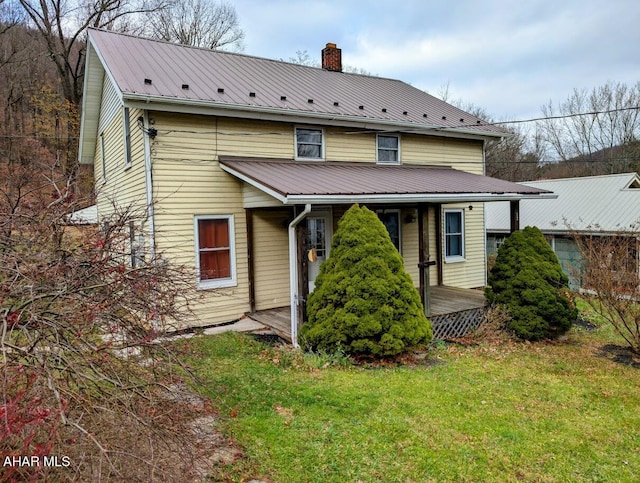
484 213
149 186
149 189
293 272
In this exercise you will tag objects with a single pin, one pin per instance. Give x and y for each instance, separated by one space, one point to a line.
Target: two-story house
244 165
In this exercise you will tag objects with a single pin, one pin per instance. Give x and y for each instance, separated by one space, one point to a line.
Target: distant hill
615 160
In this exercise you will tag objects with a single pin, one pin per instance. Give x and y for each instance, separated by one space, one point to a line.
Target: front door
319 232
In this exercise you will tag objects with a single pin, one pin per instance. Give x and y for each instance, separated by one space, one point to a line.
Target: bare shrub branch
611 279
83 371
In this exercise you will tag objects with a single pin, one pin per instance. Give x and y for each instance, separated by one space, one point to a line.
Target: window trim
103 160
454 258
295 143
390 163
127 138
398 213
217 282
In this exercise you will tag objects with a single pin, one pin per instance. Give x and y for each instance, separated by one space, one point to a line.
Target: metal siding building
589 205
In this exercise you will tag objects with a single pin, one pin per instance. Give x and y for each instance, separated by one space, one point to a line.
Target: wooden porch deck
444 301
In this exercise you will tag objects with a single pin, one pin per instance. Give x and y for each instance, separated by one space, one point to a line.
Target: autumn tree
595 132
517 156
62 25
200 23
39 128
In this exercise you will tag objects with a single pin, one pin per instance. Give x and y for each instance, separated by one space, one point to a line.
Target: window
391 220
388 149
103 161
136 246
454 235
309 144
215 260
127 139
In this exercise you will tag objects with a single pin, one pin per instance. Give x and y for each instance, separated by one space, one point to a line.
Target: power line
481 124
548 118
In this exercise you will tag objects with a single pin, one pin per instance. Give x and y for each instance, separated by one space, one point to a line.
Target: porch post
423 263
514 207
293 273
252 288
439 241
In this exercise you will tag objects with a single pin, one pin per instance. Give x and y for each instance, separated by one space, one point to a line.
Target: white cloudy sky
508 56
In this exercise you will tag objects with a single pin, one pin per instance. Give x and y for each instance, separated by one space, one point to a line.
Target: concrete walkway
246 325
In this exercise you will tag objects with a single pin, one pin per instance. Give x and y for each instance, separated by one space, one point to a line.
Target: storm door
319 232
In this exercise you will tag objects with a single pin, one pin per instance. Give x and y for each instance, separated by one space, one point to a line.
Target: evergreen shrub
364 302
527 278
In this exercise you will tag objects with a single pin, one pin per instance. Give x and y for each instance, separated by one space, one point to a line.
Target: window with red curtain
214 248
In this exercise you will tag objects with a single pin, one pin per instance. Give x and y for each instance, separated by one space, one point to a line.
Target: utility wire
483 123
560 116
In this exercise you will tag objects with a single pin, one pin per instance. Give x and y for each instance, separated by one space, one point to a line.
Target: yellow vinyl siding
188 182
469 273
110 104
432 245
125 186
254 198
252 138
460 154
271 258
410 244
342 146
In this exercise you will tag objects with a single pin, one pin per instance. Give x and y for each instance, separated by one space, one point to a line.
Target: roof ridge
239 54
620 175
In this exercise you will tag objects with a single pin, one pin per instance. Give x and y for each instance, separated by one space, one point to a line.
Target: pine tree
527 278
364 301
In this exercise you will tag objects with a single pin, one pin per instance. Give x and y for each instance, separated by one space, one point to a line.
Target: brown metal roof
346 182
161 70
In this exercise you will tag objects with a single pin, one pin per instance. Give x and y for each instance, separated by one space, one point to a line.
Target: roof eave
412 198
90 103
295 199
200 106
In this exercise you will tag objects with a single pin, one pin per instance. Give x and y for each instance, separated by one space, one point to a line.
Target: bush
528 279
364 302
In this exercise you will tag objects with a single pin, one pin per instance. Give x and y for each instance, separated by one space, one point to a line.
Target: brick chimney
332 58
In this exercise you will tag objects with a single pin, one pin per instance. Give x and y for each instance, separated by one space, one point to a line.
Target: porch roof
321 182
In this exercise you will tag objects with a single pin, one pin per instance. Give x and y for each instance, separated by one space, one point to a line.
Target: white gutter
414 198
293 273
149 187
484 213
289 199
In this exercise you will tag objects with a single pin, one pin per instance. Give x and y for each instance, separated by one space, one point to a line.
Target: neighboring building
244 165
598 205
85 216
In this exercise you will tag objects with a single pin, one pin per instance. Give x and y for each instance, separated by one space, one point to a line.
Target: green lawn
509 412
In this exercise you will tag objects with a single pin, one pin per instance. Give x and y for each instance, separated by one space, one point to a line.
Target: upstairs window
215 261
454 235
388 149
309 143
